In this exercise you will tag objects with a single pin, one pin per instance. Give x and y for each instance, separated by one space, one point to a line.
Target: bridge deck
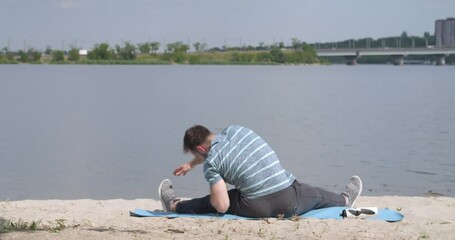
384 52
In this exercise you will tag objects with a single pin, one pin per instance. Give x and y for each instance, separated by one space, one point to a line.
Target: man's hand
186 167
183 169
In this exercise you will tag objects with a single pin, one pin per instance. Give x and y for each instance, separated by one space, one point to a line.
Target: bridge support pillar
441 60
351 60
398 60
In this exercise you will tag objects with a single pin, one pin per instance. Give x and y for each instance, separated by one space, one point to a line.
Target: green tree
177 47
127 52
31 55
58 56
34 55
296 44
145 48
177 52
22 56
73 54
277 55
199 47
101 52
155 46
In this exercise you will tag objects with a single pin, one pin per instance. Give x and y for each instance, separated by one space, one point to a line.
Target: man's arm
219 197
186 167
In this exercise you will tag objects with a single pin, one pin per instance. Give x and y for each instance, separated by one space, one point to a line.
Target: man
263 188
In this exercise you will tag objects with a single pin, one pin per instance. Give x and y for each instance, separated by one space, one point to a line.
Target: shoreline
424 217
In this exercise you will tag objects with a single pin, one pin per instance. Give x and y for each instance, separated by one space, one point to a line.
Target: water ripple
421 172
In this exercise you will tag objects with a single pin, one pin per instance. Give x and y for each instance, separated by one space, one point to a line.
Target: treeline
34 56
177 52
298 52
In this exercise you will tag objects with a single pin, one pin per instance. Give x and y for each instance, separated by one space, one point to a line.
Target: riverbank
103 56
425 218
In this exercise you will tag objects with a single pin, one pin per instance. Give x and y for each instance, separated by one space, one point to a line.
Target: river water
102 132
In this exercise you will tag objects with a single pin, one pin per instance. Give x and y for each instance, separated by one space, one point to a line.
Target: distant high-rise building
445 32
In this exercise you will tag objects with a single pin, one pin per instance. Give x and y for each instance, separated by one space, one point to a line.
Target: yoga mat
323 213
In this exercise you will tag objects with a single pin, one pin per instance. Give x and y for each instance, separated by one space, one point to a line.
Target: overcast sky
57 23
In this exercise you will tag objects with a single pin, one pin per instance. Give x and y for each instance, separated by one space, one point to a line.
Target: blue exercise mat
323 213
335 213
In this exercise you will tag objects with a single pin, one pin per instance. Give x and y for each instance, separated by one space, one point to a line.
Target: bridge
398 54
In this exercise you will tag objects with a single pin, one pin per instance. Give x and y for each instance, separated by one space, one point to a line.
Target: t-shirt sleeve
211 174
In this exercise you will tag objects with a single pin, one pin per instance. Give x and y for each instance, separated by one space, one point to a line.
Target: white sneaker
353 190
167 195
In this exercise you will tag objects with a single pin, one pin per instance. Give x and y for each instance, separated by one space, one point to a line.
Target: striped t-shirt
242 158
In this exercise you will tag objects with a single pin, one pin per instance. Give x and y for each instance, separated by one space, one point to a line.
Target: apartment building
445 32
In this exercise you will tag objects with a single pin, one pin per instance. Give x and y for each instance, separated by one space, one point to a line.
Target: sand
425 218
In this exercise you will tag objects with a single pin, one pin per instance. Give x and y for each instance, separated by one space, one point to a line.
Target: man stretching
263 188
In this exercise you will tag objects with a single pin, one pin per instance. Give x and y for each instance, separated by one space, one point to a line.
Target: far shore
424 218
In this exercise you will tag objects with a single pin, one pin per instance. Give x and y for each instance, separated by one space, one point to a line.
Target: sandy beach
425 218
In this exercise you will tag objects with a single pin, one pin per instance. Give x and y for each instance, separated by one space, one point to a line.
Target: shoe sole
360 189
159 194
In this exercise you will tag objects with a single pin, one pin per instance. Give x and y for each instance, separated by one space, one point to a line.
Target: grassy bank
273 57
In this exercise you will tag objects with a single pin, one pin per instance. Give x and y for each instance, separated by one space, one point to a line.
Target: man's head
196 139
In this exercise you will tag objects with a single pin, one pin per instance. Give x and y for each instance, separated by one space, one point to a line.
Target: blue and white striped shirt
242 158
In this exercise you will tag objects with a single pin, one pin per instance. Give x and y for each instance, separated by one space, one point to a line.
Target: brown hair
194 137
